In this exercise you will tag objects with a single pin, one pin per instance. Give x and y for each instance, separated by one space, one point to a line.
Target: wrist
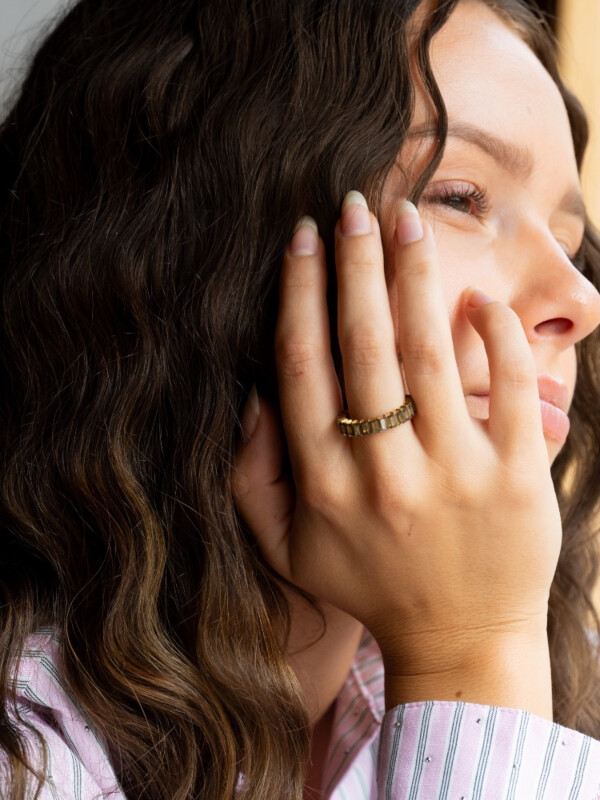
496 669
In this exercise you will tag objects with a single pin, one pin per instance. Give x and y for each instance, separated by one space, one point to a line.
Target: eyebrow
518 161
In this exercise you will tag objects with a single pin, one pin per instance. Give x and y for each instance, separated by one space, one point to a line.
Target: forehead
489 78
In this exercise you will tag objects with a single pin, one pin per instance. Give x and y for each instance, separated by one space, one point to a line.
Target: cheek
462 263
569 368
465 260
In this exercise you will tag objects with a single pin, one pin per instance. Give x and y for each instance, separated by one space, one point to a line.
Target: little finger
309 392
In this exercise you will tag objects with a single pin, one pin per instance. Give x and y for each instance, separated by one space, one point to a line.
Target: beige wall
579 34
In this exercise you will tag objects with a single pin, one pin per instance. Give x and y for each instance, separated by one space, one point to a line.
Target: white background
21 23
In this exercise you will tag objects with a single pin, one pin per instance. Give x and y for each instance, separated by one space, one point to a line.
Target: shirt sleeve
464 751
66 776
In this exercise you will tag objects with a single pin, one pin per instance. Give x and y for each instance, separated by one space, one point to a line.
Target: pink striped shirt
419 751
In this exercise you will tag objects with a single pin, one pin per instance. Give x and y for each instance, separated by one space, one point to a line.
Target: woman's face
505 204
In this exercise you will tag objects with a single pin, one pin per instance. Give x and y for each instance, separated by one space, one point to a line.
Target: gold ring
363 427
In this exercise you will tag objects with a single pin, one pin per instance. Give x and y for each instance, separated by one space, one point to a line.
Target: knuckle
320 495
426 352
385 498
417 267
364 344
295 356
358 255
381 501
515 358
466 480
465 490
518 373
520 486
359 260
518 369
307 278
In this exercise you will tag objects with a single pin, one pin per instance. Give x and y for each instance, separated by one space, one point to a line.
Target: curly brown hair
155 162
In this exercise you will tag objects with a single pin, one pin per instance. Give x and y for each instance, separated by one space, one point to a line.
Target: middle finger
424 333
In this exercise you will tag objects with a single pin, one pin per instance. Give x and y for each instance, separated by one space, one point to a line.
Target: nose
556 303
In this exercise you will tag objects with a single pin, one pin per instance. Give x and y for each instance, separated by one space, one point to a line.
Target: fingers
372 375
373 381
424 332
515 422
263 495
309 392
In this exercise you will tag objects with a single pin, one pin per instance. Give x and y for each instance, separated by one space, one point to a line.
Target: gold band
363 427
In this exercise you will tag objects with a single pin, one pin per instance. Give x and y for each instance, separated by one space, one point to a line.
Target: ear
264 495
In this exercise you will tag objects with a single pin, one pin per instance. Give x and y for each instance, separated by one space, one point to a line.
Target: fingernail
250 415
356 219
305 241
478 298
408 223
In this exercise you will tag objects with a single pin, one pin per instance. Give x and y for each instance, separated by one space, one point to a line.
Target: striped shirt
418 751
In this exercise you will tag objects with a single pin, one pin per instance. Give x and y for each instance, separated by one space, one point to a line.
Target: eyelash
444 193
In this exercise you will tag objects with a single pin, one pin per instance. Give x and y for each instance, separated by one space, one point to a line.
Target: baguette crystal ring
364 427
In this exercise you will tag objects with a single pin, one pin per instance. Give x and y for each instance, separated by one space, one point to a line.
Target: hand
320 647
441 536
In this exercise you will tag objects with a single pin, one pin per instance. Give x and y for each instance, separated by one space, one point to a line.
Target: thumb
265 497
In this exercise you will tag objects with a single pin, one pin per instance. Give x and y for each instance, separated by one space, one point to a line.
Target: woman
187 584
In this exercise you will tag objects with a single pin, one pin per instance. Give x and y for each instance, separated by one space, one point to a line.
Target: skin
517 251
486 538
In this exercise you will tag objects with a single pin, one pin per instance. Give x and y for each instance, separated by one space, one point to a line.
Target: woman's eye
462 203
462 198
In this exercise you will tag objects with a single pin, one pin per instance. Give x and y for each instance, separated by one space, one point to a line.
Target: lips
554 405
554 402
554 392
